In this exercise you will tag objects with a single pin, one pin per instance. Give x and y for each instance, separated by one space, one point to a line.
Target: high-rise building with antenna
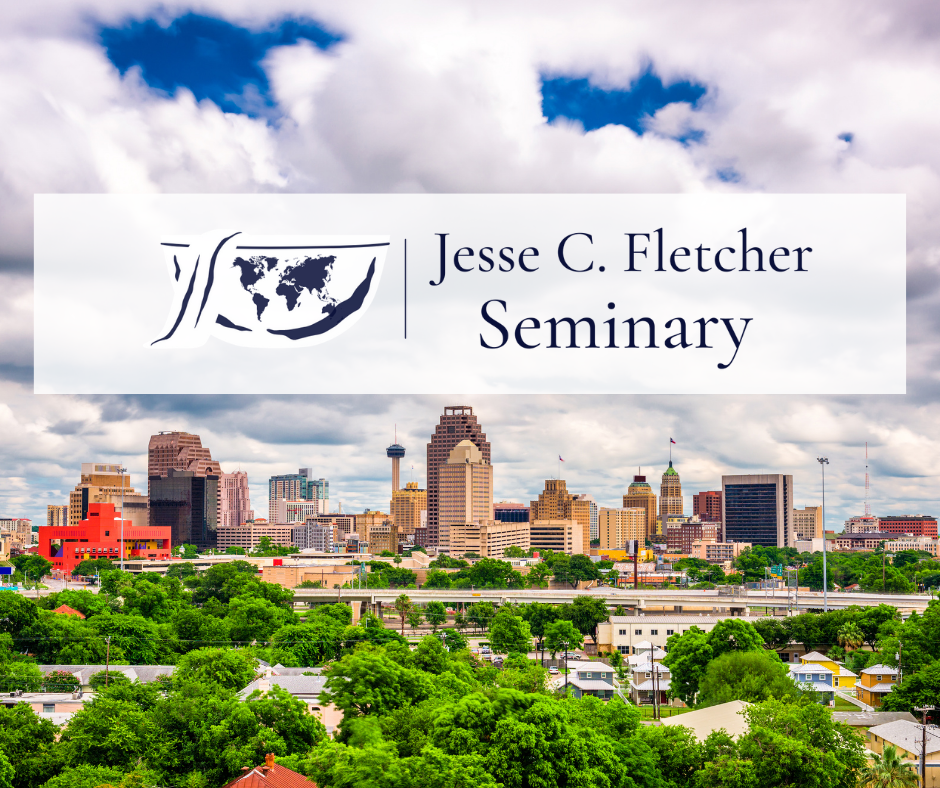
867 501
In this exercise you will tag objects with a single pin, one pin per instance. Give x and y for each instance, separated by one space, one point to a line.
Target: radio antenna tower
867 503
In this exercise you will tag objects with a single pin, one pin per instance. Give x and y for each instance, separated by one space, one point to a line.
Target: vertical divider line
406 288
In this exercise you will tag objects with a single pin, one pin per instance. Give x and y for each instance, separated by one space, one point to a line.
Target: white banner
325 293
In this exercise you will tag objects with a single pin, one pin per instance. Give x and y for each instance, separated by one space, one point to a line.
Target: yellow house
907 738
874 683
842 677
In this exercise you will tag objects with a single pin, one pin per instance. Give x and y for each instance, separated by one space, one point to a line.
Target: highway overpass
633 601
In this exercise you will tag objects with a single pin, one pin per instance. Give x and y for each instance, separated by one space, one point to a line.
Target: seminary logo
268 291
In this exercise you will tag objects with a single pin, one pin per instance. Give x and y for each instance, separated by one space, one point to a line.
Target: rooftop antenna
867 503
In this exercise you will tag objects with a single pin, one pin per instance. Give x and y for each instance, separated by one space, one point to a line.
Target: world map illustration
293 276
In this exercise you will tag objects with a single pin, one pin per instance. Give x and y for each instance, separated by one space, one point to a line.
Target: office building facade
408 507
707 505
559 536
457 424
234 500
616 527
465 490
808 522
555 503
909 524
640 495
510 512
681 535
758 509
105 483
57 515
181 451
248 535
297 511
187 504
488 539
313 536
300 486
595 521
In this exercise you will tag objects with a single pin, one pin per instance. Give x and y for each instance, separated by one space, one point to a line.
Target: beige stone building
103 483
465 490
716 552
556 503
617 526
57 515
248 535
808 522
292 576
489 539
670 494
408 507
559 536
383 537
640 494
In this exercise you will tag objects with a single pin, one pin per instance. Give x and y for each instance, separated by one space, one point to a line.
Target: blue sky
215 59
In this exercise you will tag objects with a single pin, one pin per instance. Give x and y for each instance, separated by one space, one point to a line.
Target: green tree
751 564
16 613
850 636
86 776
189 551
454 641
105 678
34 567
218 667
480 614
27 740
437 578
93 566
404 606
509 633
889 770
24 676
586 612
539 615
921 688
415 618
514 551
734 634
687 657
435 612
561 632
538 575
751 676
309 644
367 682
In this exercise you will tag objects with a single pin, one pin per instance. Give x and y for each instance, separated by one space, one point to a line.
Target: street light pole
823 462
122 470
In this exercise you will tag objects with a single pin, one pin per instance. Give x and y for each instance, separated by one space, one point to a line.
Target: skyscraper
465 490
300 486
57 515
618 526
595 522
758 508
408 507
807 522
188 504
234 503
670 493
182 451
556 503
640 495
458 423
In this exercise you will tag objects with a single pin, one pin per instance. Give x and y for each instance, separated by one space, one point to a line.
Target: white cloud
424 97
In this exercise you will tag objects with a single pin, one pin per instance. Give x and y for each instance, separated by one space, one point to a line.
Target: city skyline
523 459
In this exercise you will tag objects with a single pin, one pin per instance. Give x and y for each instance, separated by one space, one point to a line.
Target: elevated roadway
633 601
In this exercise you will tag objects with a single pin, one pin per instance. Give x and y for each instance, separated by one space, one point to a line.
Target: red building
707 505
99 536
914 524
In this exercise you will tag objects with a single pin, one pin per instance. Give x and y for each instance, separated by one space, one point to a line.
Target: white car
553 670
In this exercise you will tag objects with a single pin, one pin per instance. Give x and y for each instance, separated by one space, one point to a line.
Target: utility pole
656 714
923 743
565 644
823 462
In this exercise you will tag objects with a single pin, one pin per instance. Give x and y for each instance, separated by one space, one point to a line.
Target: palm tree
889 770
404 606
850 636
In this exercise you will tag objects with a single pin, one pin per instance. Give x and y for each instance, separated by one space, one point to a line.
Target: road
636 601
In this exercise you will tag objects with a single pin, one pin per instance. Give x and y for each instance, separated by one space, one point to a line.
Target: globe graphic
264 278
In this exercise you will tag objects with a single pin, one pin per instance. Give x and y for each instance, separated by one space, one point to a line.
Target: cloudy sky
315 96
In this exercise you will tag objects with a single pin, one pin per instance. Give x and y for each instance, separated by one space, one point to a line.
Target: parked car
553 670
485 650
497 661
570 655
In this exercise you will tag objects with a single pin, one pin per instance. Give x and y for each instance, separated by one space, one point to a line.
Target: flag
560 458
671 440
